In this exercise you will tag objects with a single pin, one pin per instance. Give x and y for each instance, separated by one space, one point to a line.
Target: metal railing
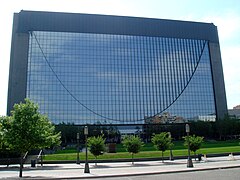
40 157
25 157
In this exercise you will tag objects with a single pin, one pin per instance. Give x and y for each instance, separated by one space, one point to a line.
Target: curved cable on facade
186 85
59 80
105 117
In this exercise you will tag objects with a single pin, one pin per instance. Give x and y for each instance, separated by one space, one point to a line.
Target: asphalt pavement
120 169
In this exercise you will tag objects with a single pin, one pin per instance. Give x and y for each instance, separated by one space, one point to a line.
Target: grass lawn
148 151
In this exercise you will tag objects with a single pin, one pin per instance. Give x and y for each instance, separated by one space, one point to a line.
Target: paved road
220 174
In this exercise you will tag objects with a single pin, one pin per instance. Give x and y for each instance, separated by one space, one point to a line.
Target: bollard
205 158
199 157
33 163
231 157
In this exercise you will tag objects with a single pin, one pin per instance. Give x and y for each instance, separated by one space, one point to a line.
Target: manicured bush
195 143
162 142
96 145
132 144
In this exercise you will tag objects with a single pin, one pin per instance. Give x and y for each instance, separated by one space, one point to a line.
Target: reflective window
85 78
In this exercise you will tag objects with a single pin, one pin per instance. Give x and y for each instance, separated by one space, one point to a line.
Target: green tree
228 127
162 142
96 145
30 130
195 143
133 144
4 126
202 128
69 133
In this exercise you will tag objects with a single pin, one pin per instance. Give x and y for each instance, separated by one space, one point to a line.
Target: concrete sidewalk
74 171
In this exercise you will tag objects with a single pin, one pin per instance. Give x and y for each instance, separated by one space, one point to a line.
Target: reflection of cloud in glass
121 77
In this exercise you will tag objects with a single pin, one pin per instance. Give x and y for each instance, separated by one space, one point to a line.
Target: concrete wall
105 24
218 80
18 66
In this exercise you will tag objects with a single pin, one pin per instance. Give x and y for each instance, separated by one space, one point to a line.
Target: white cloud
229 36
231 64
228 24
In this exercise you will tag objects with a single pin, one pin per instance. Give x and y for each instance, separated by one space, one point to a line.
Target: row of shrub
133 144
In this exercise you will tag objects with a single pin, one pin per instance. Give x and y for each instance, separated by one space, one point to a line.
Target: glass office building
87 69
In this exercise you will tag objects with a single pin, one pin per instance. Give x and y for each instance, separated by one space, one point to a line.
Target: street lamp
86 169
78 159
189 161
171 154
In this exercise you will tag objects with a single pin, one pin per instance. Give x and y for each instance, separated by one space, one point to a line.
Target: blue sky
225 14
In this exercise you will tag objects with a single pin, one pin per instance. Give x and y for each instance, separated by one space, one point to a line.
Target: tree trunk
195 155
162 157
95 160
132 159
21 166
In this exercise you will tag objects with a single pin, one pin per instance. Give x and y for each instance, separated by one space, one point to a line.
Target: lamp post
171 154
189 161
86 169
78 159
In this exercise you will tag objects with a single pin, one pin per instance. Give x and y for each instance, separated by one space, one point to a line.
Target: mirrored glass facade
86 78
89 68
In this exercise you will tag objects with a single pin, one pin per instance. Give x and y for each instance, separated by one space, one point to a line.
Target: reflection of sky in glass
118 78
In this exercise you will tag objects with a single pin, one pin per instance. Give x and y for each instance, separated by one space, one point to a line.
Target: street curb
137 174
